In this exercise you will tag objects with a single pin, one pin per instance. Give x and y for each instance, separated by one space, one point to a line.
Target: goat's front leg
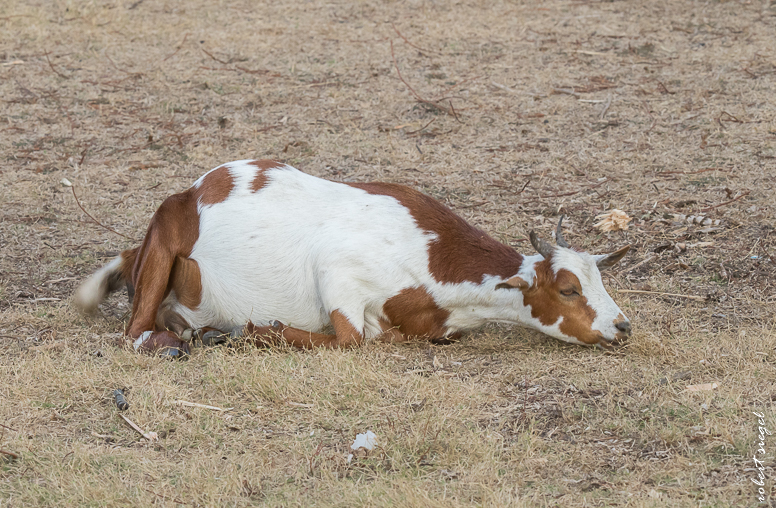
346 335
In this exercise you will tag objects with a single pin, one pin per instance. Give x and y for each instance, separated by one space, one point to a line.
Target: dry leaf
613 220
702 388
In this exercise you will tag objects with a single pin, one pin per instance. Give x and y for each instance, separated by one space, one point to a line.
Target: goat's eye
569 292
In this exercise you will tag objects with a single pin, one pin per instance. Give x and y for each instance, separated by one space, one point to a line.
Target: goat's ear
605 261
513 283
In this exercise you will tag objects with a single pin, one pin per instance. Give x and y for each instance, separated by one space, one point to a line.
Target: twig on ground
208 53
10 454
606 107
503 87
411 44
650 258
731 118
745 193
72 188
664 88
46 54
689 297
151 436
422 128
203 406
453 110
179 48
412 90
567 91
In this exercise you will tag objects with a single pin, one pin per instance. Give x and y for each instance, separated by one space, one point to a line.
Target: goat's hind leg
151 277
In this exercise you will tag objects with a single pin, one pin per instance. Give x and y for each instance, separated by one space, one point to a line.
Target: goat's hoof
163 344
174 353
214 338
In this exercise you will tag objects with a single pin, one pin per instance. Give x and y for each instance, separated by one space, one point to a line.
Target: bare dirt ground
509 112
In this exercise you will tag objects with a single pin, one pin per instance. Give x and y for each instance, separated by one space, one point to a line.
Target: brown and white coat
261 245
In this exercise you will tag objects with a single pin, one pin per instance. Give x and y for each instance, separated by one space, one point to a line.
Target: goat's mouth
617 342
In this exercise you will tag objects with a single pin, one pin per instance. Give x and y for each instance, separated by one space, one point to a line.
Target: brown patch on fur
391 334
215 187
345 336
547 303
415 312
186 281
461 252
260 180
172 233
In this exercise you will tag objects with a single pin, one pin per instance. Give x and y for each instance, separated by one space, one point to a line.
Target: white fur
302 247
94 290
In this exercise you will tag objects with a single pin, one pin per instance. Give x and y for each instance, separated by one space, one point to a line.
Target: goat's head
566 294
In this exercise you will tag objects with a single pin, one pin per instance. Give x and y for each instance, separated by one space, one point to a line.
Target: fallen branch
151 436
745 193
203 406
690 297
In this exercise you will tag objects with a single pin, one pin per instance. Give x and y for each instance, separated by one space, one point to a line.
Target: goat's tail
106 280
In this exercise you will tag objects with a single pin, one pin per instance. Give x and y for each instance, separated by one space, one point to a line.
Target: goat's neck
472 305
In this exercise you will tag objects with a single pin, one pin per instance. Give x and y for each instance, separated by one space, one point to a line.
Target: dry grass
655 108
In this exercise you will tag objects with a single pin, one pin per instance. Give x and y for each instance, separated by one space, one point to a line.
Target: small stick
179 48
418 97
453 110
650 258
503 87
151 436
10 454
52 67
411 44
422 128
72 188
214 58
204 406
734 119
569 91
606 107
691 297
746 193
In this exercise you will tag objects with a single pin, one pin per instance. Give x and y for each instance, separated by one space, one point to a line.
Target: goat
260 249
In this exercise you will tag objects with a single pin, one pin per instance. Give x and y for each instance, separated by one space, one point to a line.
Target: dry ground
511 113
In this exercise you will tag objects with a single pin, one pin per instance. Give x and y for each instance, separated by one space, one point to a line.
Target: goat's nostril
623 326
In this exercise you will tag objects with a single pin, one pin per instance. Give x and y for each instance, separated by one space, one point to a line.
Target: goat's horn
542 247
559 236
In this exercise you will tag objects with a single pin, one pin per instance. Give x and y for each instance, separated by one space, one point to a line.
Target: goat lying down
260 249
